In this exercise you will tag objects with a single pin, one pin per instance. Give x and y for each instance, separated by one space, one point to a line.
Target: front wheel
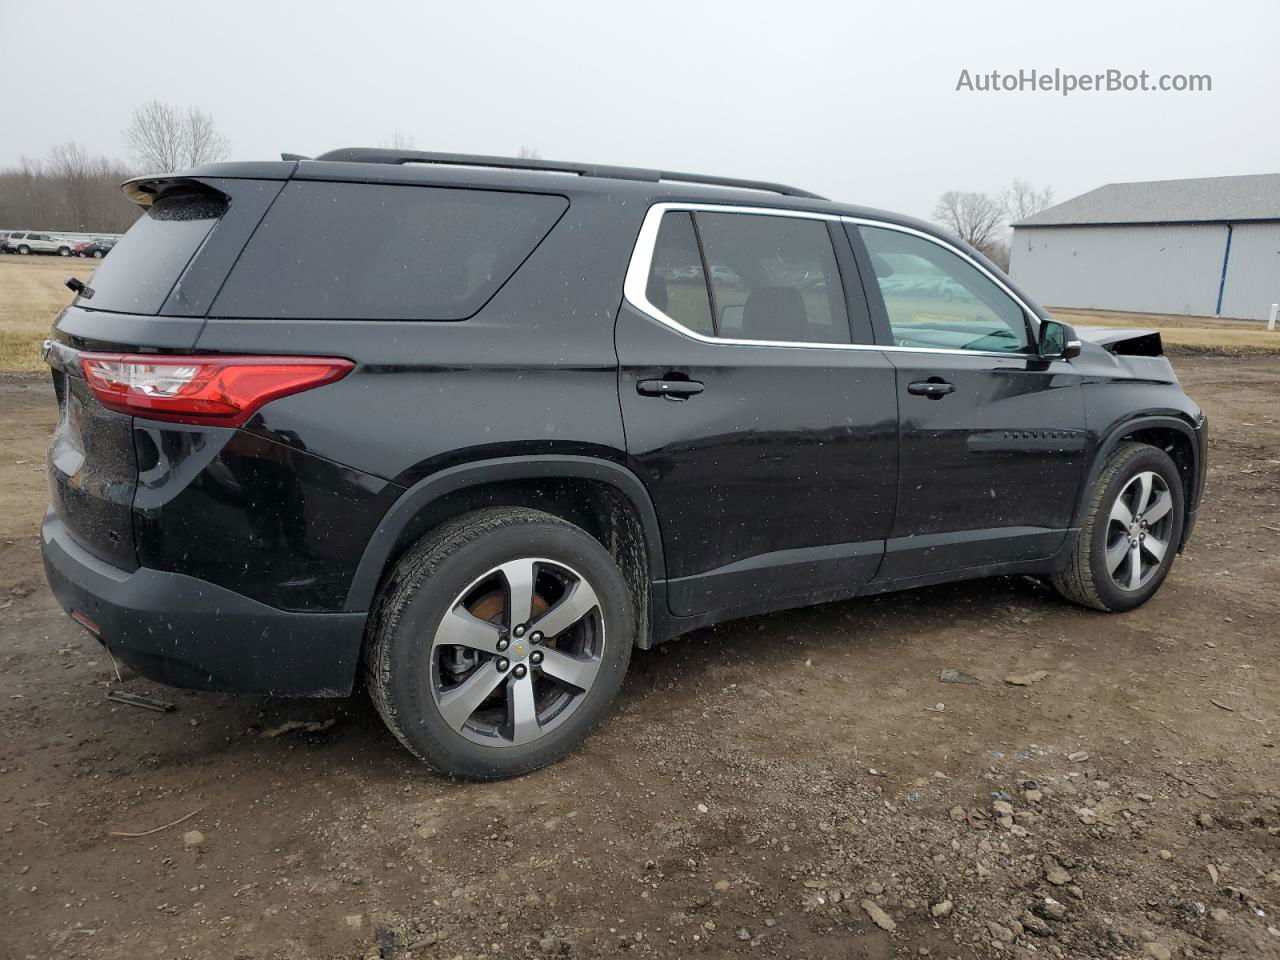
24 250
1130 532
499 642
64 251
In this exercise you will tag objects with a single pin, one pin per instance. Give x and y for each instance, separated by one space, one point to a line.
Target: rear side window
335 251
676 284
150 258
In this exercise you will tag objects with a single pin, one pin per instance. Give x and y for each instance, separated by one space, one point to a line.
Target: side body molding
365 582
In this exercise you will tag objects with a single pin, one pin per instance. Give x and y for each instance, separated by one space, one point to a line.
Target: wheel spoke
458 704
1144 492
1116 554
1155 546
580 601
1159 508
1120 513
519 575
1135 567
522 710
576 671
461 628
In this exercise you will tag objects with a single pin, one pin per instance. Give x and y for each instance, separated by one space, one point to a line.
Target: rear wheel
499 642
1130 533
97 254
24 249
64 251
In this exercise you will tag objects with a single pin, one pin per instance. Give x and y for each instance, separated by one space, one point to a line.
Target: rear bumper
187 632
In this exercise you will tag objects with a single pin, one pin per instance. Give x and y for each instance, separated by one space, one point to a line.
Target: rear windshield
359 251
149 259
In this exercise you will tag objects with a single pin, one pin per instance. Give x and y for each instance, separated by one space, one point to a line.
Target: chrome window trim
635 284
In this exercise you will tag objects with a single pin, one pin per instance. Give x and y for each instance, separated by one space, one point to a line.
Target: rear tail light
210 390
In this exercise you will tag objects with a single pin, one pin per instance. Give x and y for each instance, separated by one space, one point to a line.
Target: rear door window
360 251
773 278
150 258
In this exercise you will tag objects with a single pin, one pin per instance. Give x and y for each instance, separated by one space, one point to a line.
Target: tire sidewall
1141 461
407 664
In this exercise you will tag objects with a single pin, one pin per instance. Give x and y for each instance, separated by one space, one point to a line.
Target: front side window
935 298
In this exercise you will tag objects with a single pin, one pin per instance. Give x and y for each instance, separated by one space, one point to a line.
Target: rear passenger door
757 412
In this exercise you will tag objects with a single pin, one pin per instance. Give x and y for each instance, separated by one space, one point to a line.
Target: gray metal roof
1203 200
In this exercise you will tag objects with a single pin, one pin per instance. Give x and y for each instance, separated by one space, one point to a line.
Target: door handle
671 389
934 389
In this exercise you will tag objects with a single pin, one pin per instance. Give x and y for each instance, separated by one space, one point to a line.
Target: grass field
1193 334
32 293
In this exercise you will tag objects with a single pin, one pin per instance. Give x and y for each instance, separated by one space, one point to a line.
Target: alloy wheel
1138 531
516 652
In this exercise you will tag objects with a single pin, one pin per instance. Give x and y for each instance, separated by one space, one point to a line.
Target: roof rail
372 155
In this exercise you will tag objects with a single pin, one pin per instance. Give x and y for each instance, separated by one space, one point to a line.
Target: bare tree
162 138
529 153
1021 200
973 217
202 142
400 141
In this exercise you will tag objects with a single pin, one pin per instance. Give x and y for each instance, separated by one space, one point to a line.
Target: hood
1124 341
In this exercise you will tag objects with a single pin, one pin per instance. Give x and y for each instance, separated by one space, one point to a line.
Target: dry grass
31 294
1190 334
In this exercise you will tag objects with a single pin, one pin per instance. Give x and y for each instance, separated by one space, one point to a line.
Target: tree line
73 190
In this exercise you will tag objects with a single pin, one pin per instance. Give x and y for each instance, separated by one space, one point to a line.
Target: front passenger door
992 438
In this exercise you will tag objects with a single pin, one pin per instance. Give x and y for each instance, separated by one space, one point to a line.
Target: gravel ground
797 785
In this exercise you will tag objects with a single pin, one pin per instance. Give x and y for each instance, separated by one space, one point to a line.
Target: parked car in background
97 249
25 243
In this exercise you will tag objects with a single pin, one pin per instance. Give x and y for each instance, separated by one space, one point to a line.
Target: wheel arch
604 498
1173 435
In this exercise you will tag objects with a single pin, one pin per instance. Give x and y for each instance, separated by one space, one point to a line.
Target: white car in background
30 242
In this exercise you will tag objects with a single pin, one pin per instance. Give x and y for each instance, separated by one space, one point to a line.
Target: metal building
1205 247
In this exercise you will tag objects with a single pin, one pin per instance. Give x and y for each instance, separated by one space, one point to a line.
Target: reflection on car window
676 285
934 298
773 278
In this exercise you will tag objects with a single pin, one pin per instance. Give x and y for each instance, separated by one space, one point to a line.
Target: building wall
1149 269
1253 271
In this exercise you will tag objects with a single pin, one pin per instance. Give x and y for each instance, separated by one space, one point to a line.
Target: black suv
482 425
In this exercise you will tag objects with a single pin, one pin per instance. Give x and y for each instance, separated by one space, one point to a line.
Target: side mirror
1057 341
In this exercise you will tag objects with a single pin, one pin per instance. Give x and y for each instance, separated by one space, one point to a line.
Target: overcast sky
853 100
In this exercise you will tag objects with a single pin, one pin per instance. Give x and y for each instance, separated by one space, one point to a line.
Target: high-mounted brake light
210 390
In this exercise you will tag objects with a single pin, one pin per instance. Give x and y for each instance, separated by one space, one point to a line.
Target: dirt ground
780 786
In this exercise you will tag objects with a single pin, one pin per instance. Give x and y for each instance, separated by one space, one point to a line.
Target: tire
1100 572
64 251
24 250
445 588
97 254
